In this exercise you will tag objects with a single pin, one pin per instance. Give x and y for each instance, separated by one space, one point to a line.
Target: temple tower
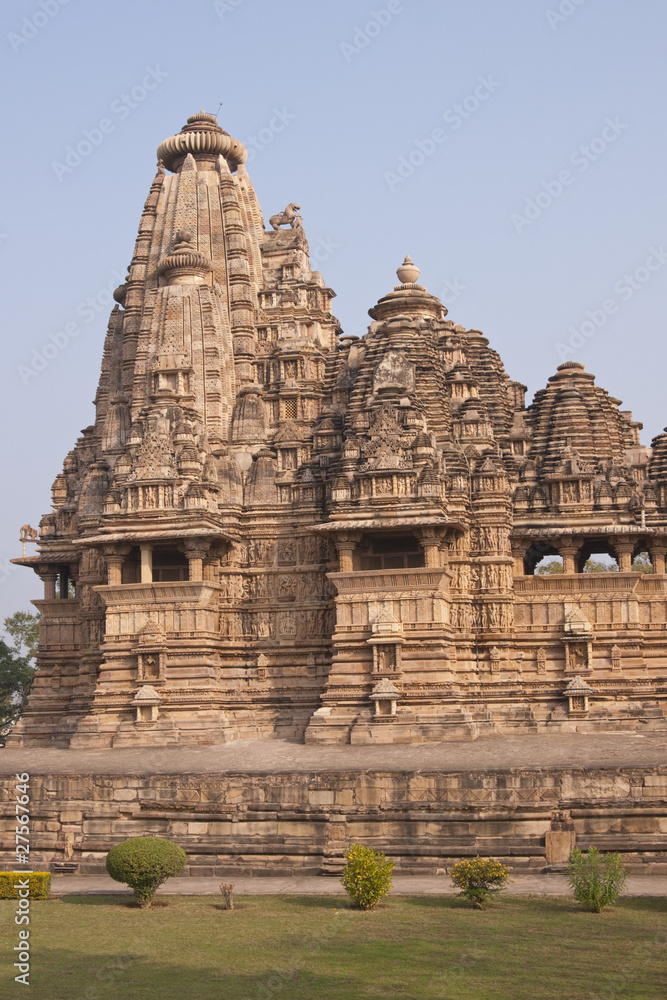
160 605
272 530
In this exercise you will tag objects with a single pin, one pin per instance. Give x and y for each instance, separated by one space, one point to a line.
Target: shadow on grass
81 899
61 974
541 904
656 904
442 902
317 902
226 909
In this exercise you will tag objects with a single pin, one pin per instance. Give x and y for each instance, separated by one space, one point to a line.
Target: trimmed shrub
144 863
366 875
39 884
478 879
596 879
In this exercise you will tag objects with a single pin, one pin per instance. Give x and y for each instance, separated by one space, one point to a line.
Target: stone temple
272 530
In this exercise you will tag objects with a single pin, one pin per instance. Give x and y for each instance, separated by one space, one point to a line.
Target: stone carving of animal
290 217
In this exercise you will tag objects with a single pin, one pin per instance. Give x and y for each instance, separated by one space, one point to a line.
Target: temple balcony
371 581
172 592
637 583
183 610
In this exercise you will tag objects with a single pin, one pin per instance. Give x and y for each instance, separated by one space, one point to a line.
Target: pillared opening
388 552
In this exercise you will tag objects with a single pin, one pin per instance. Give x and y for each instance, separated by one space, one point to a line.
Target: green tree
595 566
549 568
23 628
17 665
642 563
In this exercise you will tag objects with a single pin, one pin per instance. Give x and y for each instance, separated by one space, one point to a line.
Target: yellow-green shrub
39 884
366 876
478 878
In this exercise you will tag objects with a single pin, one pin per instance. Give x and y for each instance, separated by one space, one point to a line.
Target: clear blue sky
482 105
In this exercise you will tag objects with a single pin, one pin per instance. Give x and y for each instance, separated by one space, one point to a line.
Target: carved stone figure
288 217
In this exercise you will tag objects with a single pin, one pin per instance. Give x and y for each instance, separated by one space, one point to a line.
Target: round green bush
144 863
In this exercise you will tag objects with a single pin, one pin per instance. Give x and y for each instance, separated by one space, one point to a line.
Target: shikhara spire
274 529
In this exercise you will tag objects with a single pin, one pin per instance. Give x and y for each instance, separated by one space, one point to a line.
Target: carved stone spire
203 137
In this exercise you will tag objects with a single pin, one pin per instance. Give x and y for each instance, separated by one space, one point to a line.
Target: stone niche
386 641
147 702
578 693
151 653
394 374
578 655
577 641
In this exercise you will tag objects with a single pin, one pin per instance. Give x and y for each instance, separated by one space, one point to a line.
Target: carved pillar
114 556
115 567
519 558
430 542
146 563
196 551
658 558
346 543
569 554
49 579
624 550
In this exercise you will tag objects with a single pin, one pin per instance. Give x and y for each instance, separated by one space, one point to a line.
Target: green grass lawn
317 948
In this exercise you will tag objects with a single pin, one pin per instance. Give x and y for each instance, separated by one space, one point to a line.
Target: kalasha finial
408 272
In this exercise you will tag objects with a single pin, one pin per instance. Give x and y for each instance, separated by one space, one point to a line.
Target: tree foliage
17 666
598 566
642 563
549 568
23 628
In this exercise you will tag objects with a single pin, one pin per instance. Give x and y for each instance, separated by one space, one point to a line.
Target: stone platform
260 807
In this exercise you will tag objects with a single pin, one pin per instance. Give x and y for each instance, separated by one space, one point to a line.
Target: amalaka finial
408 272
